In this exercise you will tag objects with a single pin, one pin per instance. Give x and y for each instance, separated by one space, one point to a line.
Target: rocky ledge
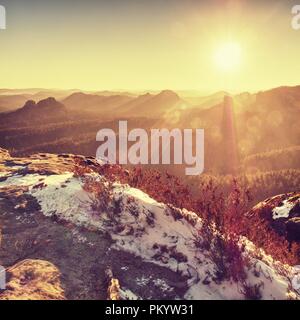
58 240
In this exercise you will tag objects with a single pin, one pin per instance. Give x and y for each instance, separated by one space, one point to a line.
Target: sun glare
228 57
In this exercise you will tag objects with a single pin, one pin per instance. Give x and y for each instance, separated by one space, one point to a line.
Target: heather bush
79 169
218 234
101 193
218 213
222 203
252 292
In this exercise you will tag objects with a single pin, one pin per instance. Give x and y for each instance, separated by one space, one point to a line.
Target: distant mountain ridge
93 103
152 106
265 121
45 110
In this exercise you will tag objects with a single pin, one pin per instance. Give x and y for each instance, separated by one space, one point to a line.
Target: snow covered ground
284 210
153 232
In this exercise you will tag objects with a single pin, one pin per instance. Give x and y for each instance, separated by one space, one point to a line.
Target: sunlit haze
228 57
149 45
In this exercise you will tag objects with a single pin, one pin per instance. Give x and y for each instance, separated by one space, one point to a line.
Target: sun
228 57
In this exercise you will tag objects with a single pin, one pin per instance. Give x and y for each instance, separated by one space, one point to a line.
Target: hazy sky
138 45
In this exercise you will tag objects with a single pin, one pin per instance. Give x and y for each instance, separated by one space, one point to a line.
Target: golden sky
149 45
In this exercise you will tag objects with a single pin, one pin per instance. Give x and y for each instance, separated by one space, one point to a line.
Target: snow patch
283 211
127 294
22 181
152 231
162 284
10 171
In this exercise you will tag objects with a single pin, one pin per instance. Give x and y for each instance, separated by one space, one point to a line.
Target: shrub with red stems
223 212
